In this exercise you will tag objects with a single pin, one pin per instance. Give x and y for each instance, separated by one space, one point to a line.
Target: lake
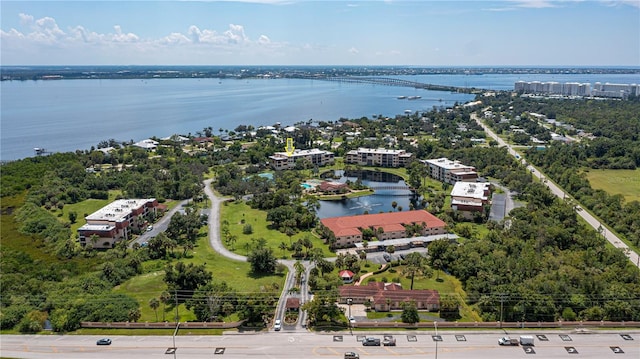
389 189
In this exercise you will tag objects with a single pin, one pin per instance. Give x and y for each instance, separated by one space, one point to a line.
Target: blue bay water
69 115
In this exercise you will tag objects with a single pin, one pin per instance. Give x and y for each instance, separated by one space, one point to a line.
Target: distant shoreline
25 73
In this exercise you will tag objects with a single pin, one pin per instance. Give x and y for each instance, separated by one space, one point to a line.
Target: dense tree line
616 125
543 266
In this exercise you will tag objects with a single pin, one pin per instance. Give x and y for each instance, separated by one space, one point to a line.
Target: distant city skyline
280 32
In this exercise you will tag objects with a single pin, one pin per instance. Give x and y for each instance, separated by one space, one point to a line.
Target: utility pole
349 302
502 296
175 293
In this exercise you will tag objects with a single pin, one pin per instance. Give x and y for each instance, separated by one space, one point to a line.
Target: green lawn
624 182
238 214
150 284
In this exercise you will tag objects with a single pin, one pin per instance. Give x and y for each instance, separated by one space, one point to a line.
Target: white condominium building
445 170
287 160
115 221
378 157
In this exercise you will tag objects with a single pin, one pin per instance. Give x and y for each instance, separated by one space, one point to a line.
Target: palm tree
282 246
165 297
154 303
416 265
299 268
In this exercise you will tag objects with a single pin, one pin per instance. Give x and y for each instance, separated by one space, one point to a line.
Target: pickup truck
508 341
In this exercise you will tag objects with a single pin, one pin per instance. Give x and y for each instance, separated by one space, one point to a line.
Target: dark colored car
104 341
371 342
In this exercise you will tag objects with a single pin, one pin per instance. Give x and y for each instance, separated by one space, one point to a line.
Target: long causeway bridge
387 81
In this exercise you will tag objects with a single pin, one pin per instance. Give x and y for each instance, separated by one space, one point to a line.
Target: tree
154 303
185 279
73 216
416 264
165 298
208 301
299 268
410 313
262 260
283 247
323 307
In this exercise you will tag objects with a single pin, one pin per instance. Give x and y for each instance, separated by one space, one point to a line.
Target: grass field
151 284
624 182
239 214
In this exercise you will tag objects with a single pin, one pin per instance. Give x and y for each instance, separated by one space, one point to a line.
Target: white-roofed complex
468 198
115 222
287 160
378 157
448 171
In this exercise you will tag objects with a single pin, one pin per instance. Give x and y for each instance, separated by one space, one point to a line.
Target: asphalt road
453 345
559 192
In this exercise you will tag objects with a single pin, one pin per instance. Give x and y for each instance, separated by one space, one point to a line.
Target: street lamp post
349 301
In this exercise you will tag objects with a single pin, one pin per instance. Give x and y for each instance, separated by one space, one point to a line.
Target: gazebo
346 275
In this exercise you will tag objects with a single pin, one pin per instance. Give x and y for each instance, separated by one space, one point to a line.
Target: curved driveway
216 243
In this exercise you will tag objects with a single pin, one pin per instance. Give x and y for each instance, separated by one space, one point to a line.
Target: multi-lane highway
452 345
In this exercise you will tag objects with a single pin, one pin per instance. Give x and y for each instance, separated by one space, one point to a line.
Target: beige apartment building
116 221
287 160
381 157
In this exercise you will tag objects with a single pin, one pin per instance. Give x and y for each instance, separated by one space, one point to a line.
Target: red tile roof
343 226
380 292
346 274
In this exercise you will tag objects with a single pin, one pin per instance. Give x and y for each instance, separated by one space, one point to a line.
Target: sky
331 32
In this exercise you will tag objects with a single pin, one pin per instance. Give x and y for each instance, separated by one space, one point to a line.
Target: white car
277 325
352 320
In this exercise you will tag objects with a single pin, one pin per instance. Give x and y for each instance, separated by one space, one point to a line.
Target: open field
238 214
624 182
151 284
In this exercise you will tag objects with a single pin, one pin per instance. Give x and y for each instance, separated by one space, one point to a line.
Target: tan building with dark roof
348 230
390 296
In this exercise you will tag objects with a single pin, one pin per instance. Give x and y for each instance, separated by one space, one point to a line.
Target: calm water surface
388 189
67 115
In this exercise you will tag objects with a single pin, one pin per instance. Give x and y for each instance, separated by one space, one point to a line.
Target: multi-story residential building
615 90
468 198
348 230
445 170
115 222
578 89
378 157
287 160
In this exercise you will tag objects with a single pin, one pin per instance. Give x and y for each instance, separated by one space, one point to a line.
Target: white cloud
633 3
353 50
536 4
264 40
120 36
43 36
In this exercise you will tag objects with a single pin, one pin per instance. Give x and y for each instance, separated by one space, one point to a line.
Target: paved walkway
216 243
